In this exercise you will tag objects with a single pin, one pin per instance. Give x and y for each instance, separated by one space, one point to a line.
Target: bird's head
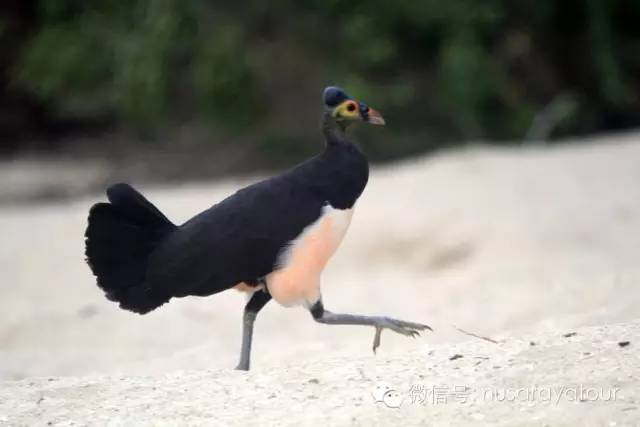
345 110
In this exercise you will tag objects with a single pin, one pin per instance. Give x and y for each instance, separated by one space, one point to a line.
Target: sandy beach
522 245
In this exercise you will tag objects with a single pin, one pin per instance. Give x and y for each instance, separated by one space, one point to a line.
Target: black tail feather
118 241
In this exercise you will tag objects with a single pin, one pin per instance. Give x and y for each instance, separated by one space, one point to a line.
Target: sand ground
584 379
526 244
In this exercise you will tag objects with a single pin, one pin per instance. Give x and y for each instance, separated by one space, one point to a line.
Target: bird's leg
254 305
410 329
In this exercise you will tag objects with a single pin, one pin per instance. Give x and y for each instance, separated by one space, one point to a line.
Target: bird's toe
411 325
376 339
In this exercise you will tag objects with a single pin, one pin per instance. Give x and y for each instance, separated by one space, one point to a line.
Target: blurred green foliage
127 56
459 69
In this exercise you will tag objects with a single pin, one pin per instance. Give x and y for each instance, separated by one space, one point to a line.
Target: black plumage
120 238
142 260
236 240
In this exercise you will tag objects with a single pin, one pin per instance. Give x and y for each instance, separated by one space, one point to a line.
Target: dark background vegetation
243 79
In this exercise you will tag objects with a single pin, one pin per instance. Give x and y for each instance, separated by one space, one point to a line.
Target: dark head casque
333 96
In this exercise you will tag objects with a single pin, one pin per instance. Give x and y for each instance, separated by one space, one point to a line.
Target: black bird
271 239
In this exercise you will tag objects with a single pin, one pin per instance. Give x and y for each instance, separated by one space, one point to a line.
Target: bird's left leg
254 305
378 322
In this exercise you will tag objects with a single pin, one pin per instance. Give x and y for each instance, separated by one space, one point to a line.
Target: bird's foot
410 329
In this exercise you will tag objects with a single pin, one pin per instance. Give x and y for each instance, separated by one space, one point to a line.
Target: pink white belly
297 278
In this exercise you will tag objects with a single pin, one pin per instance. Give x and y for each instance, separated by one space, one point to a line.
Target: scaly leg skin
410 329
254 305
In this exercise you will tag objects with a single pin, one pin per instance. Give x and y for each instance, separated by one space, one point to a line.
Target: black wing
238 239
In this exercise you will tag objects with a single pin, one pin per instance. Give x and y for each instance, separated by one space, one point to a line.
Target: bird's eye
351 107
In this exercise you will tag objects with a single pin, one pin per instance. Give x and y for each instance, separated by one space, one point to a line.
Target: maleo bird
271 239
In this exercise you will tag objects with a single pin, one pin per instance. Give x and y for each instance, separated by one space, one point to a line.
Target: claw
411 325
402 327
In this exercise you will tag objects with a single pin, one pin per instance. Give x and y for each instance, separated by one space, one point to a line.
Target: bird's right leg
403 327
254 305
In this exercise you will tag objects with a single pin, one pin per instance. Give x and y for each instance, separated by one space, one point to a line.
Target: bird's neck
341 172
334 132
